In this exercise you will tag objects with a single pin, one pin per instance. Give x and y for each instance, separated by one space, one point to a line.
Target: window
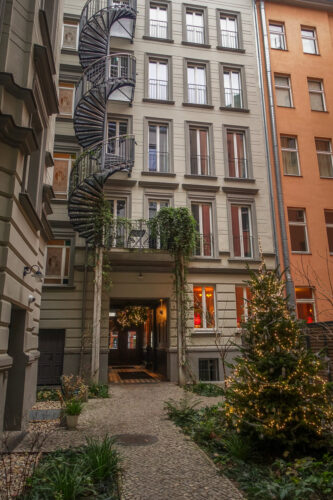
116 142
70 35
237 161
195 30
277 36
61 173
316 92
309 40
241 231
158 144
158 20
154 206
298 230
199 151
305 304
324 155
118 234
209 370
66 99
202 213
243 296
329 229
204 307
196 84
158 80
57 267
229 31
283 91
232 88
290 160
131 339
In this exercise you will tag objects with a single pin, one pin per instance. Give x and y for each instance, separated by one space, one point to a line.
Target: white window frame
291 150
62 276
200 229
303 224
158 152
196 90
229 45
284 87
281 34
312 38
77 35
241 238
69 166
229 102
158 63
203 303
320 92
325 153
198 30
163 8
236 160
328 225
73 98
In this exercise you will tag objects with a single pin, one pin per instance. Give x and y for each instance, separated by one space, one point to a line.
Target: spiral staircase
106 76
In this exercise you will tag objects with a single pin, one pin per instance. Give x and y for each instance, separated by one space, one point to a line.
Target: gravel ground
159 462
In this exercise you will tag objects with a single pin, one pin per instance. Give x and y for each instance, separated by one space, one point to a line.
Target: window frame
282 24
317 92
70 23
329 225
289 88
203 303
149 57
307 301
197 8
243 91
197 63
249 202
298 224
157 121
238 17
246 132
246 297
62 236
209 128
67 86
216 360
194 197
330 154
290 150
314 38
168 5
70 158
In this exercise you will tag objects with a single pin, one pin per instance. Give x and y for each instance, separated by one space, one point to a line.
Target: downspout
268 156
83 318
277 167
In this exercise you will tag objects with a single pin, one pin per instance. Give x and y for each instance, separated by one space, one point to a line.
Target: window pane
330 238
236 230
329 216
325 165
317 102
66 101
131 340
70 36
305 311
298 239
210 307
208 370
290 162
60 176
283 97
303 292
322 145
197 303
295 215
53 261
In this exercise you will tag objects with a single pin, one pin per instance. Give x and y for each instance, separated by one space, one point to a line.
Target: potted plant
72 410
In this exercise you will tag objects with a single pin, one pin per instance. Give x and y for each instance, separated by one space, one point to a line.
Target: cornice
26 95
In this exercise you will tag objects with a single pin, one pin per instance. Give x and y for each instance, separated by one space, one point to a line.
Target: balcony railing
158 29
233 98
195 34
243 245
229 39
200 165
204 245
238 168
197 94
158 89
158 161
94 6
107 69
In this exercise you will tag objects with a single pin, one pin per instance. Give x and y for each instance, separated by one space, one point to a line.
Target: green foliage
237 446
73 407
204 389
89 471
44 394
98 391
275 391
181 412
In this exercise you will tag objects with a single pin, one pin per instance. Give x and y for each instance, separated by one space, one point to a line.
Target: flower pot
72 421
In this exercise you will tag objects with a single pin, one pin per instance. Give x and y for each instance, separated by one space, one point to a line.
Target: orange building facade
296 43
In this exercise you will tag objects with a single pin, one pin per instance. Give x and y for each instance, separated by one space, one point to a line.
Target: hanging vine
176 230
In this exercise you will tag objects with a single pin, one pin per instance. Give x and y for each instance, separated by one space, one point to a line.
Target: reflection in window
131 340
204 306
298 230
70 36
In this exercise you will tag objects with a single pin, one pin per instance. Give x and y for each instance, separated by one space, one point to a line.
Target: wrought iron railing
195 34
158 89
229 39
158 161
233 98
118 152
158 29
94 6
204 245
197 94
107 69
238 168
200 165
243 246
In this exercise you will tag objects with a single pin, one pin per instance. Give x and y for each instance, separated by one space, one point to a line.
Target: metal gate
51 347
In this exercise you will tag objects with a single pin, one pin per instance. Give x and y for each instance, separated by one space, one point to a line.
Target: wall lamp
34 271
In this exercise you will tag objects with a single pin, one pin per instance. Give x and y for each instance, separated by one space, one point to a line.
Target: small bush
101 458
72 387
98 391
73 407
44 394
181 412
204 389
237 446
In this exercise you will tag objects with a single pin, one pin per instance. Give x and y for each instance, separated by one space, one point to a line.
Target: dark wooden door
129 347
51 347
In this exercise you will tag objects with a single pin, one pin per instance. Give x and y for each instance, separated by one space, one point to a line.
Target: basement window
208 370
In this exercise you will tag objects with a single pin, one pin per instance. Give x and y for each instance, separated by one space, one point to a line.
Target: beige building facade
192 104
28 102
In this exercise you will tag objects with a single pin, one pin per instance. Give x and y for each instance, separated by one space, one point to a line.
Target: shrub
44 394
181 412
73 407
204 389
72 387
237 446
98 391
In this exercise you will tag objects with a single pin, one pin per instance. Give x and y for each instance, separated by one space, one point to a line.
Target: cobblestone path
160 463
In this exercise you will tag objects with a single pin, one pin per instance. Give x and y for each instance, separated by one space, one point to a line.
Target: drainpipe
83 319
277 168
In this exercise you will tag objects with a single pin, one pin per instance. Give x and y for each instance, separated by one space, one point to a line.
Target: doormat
121 367
133 375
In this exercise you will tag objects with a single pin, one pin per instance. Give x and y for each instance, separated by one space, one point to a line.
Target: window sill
322 177
157 101
237 110
252 260
156 39
67 50
285 107
292 175
196 176
229 49
319 111
64 118
239 179
194 105
311 54
158 174
204 331
58 287
300 253
281 50
201 45
199 258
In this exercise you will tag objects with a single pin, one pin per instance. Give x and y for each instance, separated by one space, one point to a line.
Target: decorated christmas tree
276 391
